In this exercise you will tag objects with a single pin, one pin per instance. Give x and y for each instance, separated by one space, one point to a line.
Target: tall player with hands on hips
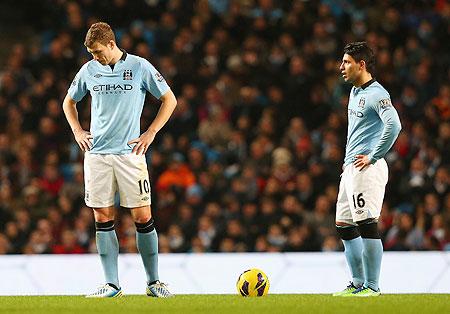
114 149
373 127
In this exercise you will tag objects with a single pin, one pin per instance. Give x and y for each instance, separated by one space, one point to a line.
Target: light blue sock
353 254
372 254
147 244
108 249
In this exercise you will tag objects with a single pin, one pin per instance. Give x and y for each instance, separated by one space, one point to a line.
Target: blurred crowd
250 160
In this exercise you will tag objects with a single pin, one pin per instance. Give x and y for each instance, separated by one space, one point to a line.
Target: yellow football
253 283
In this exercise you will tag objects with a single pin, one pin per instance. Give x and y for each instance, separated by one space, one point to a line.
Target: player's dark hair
99 32
361 51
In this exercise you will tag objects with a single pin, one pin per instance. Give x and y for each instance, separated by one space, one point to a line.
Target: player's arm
82 137
391 129
77 90
155 84
169 102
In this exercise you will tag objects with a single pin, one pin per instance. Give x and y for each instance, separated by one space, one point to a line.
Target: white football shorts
104 174
361 193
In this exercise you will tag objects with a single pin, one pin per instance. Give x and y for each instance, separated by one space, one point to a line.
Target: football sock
147 244
372 255
108 249
353 254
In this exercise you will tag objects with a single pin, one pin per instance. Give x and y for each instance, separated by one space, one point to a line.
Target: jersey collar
365 85
124 55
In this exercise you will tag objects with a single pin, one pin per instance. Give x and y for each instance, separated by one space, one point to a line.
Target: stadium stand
259 130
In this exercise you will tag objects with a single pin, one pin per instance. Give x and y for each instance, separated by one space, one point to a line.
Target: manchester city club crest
127 75
362 101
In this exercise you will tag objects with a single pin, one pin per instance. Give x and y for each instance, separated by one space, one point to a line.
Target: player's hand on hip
84 139
361 162
142 143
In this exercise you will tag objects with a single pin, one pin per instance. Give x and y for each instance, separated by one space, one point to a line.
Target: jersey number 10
144 185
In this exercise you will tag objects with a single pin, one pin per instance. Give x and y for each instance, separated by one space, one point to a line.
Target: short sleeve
153 81
78 87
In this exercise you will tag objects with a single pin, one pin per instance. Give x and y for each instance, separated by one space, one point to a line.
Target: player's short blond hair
99 32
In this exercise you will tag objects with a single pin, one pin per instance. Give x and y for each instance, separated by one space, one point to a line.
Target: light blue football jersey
118 96
373 123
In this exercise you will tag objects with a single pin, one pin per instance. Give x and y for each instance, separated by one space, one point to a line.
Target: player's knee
369 229
347 232
103 215
145 227
142 218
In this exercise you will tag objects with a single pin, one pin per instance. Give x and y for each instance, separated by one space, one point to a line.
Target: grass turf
275 303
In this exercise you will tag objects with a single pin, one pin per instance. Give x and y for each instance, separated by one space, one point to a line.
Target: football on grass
253 283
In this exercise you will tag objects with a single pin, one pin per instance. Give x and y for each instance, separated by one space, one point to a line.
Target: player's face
350 69
102 53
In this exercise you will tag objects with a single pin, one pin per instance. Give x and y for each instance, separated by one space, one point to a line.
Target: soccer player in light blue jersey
373 126
114 149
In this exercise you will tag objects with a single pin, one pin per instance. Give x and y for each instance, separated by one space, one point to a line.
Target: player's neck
363 79
117 54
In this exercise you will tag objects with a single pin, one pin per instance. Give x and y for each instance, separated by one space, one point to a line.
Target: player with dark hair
373 126
114 149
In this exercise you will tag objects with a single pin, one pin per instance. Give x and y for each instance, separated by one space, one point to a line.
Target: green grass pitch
273 303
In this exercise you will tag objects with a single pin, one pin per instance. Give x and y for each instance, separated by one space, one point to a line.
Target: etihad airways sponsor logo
355 113
112 87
